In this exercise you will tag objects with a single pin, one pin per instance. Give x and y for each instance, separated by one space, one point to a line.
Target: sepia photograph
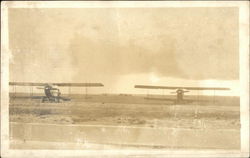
162 79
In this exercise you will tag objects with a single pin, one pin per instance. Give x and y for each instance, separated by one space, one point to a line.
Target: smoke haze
109 45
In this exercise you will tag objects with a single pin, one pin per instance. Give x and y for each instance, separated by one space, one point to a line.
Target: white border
244 78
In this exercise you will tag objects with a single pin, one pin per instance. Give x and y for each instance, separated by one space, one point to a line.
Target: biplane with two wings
179 91
51 93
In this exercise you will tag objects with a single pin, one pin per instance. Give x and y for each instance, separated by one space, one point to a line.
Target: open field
126 121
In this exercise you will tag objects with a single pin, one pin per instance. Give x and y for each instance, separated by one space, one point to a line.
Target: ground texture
207 114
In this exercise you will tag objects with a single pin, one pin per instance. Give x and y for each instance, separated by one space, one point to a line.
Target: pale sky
124 46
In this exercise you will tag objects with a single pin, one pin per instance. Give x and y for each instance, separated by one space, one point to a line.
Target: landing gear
52 99
57 99
44 99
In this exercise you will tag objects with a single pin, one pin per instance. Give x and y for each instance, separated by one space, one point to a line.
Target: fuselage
51 92
180 94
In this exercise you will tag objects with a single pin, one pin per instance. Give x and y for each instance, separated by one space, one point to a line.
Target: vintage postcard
125 78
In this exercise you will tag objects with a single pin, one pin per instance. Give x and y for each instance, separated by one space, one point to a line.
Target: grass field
207 113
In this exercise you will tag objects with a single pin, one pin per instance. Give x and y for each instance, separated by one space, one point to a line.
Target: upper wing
189 88
79 84
27 84
57 84
206 88
154 87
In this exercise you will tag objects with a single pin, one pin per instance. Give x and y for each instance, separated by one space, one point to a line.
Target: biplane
51 93
179 91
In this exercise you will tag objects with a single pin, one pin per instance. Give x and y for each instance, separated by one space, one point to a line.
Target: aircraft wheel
43 100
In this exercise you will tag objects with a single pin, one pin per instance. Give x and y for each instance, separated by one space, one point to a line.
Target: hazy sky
123 47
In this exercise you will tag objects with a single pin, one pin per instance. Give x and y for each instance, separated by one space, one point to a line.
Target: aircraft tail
65 99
